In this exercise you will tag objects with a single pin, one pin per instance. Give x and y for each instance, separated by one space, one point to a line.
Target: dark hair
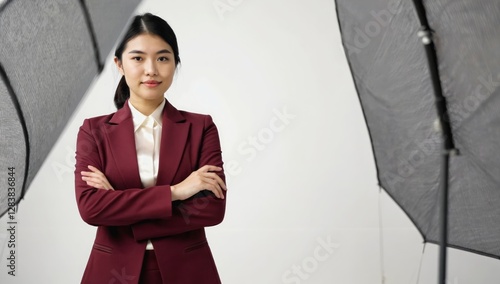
143 24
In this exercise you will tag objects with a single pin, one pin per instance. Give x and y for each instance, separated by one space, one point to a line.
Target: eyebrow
158 52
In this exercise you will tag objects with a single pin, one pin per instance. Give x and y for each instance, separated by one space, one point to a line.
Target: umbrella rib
463 248
19 112
90 26
356 87
369 130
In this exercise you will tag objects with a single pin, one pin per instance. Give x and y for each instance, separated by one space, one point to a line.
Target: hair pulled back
143 24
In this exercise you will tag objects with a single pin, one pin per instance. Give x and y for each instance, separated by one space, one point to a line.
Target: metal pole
448 145
443 218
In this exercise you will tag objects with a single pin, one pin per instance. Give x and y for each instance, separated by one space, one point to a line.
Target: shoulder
199 122
178 116
194 117
100 119
91 124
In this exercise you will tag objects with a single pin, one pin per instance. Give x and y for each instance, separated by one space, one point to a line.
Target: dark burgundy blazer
130 215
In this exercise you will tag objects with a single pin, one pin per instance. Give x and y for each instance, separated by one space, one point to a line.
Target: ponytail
122 93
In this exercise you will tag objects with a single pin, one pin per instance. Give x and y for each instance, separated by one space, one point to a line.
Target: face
148 66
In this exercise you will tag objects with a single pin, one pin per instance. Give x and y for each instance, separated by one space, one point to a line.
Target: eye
163 58
137 58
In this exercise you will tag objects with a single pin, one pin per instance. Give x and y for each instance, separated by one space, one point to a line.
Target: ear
119 65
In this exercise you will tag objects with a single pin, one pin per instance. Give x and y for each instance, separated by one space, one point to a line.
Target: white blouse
147 132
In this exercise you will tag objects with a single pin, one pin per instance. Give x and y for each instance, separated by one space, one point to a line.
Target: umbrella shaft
448 144
443 216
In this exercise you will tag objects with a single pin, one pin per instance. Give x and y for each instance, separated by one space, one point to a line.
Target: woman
149 176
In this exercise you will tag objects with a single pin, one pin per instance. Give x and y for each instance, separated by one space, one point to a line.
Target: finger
95 170
93 179
211 181
216 192
211 185
217 178
220 181
219 194
93 182
91 174
92 168
108 185
97 177
97 181
86 173
96 185
99 185
214 186
210 168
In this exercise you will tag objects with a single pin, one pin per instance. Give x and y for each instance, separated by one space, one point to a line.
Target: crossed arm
205 178
196 202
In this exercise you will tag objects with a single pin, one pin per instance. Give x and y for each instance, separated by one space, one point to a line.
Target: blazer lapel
122 146
174 137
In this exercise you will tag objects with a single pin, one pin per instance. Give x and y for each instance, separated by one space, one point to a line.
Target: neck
146 107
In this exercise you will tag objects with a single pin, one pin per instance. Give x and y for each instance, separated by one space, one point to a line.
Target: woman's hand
96 178
204 178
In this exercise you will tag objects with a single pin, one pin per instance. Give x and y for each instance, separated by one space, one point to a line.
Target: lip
151 83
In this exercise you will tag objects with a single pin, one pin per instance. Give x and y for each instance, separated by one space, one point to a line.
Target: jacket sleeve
101 207
201 210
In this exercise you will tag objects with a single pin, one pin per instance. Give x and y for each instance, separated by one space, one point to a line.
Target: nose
150 68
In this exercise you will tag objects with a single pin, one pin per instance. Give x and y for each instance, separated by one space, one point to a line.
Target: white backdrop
303 201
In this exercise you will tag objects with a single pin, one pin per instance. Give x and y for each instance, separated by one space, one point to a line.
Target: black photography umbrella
50 51
428 74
